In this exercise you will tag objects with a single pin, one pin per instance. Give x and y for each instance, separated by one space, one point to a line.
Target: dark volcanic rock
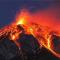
8 48
29 47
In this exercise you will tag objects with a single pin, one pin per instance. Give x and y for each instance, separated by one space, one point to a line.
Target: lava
43 33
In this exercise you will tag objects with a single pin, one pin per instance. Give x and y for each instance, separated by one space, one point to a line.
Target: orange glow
21 21
13 37
51 50
22 17
40 27
40 24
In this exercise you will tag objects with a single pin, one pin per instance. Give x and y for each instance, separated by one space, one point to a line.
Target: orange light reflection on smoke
42 34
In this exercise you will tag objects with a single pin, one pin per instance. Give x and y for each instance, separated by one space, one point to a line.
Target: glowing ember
21 21
13 37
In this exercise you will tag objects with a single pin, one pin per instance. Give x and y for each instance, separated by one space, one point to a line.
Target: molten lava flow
41 32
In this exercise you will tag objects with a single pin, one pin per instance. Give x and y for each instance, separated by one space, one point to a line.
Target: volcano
28 48
25 39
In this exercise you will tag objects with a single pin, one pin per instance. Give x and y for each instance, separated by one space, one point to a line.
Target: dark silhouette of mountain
29 47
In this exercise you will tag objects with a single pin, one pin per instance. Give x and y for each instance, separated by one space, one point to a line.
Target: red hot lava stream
37 25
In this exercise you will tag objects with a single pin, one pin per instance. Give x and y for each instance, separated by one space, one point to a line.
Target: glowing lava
42 32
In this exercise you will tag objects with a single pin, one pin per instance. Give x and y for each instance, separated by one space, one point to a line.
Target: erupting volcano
37 25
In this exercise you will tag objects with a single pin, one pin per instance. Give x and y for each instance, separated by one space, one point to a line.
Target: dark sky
9 8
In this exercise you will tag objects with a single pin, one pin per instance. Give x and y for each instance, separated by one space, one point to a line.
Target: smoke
48 17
